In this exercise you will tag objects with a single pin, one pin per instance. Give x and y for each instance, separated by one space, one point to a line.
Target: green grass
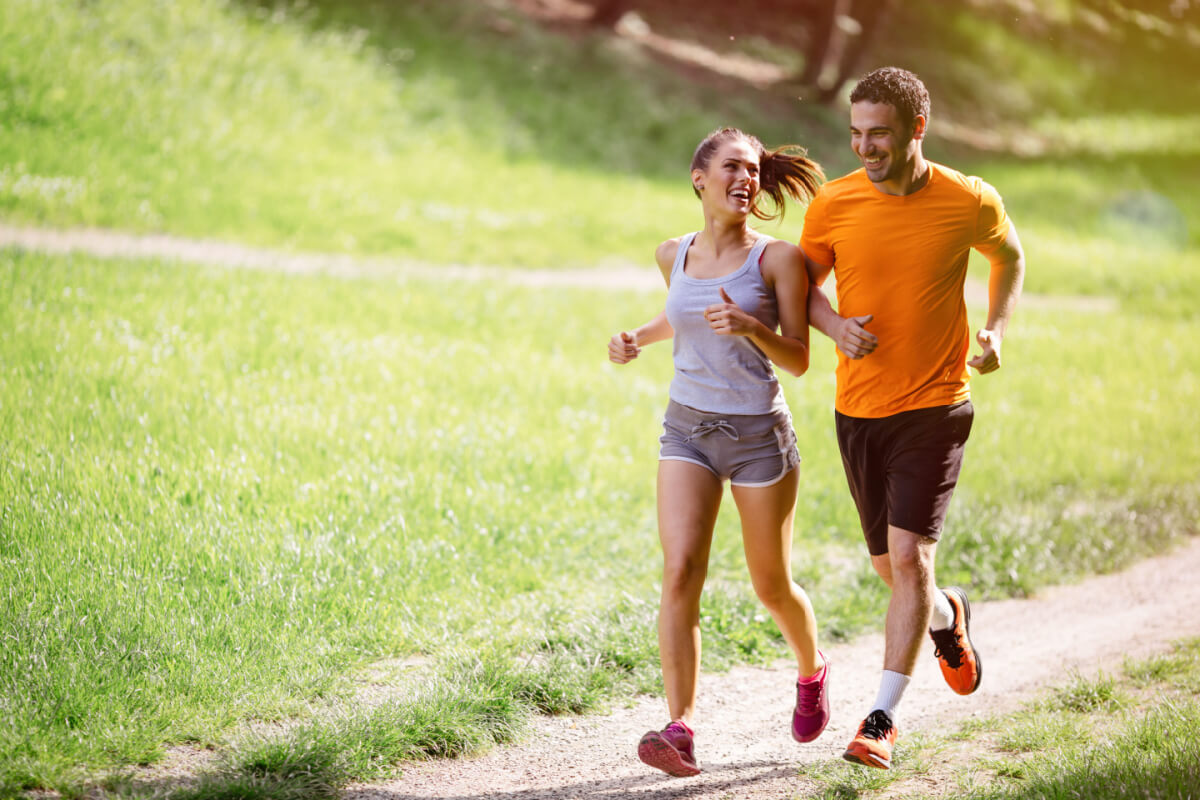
360 127
1109 736
229 491
1127 736
352 127
227 496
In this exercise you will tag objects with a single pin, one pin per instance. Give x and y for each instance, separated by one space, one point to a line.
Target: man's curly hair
897 87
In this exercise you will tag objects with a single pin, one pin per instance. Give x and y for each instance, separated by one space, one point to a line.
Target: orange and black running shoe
873 744
960 663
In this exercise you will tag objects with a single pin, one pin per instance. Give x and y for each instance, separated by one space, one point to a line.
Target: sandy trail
743 743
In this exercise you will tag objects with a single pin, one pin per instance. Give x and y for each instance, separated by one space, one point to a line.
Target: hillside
502 132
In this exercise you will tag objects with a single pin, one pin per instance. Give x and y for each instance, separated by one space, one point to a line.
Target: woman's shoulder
782 253
666 252
668 248
781 259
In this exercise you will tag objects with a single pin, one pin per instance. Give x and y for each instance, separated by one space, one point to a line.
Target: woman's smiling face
731 181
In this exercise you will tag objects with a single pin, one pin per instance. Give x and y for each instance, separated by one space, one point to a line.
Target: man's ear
920 124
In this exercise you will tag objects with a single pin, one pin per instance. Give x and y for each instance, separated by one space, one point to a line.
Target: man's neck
912 179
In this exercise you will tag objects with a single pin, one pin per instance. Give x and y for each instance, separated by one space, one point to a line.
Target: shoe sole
867 759
657 752
812 737
966 605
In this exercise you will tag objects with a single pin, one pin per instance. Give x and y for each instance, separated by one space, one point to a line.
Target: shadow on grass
583 97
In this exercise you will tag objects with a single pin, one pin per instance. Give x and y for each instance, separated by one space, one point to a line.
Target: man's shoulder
849 183
952 180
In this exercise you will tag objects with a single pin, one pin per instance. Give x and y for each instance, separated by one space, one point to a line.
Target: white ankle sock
943 612
891 689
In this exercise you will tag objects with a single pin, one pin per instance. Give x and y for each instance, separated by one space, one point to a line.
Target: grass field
1114 736
230 490
226 494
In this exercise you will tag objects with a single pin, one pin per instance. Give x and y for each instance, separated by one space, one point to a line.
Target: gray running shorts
746 449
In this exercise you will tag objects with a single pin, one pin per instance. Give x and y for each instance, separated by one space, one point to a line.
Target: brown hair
784 170
899 88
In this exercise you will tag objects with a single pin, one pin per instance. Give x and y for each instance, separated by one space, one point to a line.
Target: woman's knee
683 577
774 589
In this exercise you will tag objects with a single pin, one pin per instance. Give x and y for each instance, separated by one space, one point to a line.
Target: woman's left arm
783 270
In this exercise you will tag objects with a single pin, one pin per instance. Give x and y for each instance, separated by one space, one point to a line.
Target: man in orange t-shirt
897 233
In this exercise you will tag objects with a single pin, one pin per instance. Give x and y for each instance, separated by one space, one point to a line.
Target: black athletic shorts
902 469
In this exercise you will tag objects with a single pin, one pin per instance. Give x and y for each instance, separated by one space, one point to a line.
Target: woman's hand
728 319
623 348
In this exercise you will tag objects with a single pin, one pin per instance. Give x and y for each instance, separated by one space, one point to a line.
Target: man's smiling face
883 142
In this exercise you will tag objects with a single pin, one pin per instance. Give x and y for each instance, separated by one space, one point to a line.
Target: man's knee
910 555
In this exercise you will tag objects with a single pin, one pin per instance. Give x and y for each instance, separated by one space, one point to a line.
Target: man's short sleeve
814 239
992 226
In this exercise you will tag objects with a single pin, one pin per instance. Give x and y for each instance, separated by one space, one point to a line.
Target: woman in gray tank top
735 309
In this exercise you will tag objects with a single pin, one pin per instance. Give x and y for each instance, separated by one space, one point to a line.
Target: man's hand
853 339
989 359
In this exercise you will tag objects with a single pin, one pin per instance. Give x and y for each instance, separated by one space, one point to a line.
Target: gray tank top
722 374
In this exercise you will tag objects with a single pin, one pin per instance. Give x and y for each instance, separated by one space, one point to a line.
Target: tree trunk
822 28
871 15
607 13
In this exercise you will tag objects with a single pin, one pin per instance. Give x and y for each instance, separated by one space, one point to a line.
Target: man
898 233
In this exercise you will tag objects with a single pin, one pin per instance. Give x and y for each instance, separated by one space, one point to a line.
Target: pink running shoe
811 714
670 750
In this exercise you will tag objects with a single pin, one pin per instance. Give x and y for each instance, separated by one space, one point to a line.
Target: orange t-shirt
904 260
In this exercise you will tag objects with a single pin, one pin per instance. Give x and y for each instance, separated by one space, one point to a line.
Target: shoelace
877 725
705 428
948 647
679 738
808 697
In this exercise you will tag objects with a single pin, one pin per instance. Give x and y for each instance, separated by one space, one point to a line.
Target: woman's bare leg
689 497
767 513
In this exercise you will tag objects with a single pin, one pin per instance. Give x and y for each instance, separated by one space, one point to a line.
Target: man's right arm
848 333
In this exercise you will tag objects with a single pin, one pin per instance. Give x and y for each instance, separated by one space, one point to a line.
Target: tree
832 45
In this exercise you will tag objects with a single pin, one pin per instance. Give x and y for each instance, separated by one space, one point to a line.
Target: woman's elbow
798 367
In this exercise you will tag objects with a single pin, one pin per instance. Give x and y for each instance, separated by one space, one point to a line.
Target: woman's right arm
625 346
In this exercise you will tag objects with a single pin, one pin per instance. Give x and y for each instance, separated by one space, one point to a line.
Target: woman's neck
720 237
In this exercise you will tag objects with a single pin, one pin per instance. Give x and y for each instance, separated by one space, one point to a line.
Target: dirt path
742 737
104 243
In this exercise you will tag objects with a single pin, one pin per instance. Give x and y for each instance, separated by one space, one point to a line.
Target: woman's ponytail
783 171
787 171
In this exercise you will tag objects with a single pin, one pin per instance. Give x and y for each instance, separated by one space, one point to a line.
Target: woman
736 304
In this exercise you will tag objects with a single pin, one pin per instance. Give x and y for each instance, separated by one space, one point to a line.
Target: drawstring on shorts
711 426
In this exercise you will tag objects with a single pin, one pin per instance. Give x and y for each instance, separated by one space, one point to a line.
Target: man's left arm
1004 289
